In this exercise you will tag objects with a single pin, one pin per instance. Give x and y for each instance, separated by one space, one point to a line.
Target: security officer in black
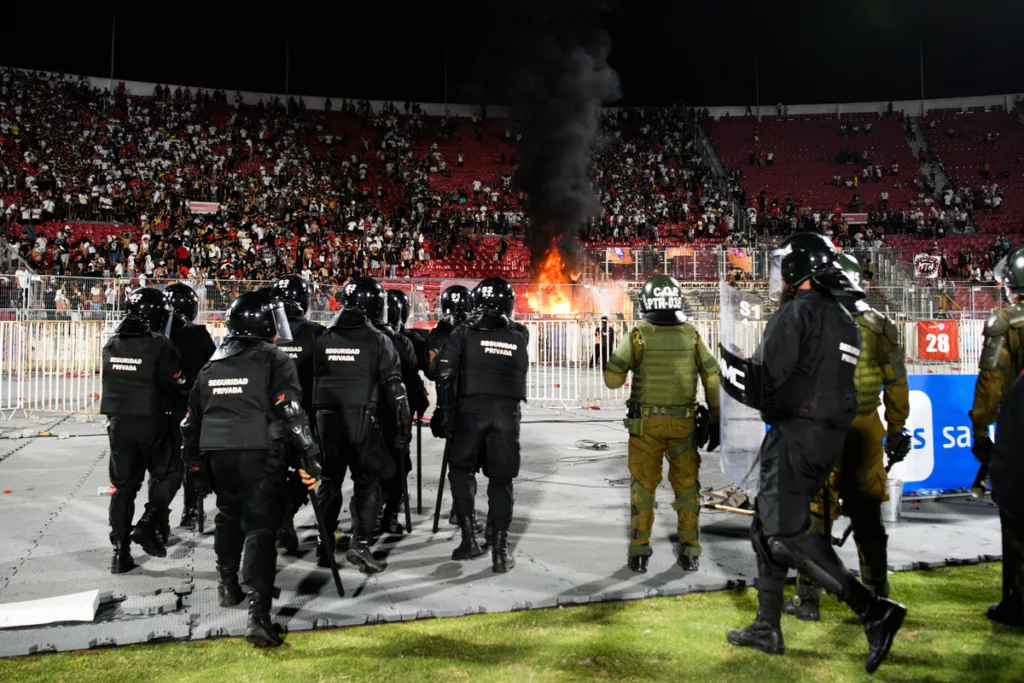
487 357
244 424
293 291
454 309
802 380
353 364
141 377
399 310
395 487
195 346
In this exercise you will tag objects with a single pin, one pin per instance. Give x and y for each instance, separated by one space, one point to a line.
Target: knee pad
688 499
641 499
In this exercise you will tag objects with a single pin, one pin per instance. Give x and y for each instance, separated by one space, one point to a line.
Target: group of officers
286 406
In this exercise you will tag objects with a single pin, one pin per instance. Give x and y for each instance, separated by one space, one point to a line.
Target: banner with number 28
937 340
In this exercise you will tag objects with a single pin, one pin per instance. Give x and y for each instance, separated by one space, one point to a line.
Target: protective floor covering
569 538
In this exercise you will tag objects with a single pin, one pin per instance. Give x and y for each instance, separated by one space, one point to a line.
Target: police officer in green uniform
859 478
1002 361
666 356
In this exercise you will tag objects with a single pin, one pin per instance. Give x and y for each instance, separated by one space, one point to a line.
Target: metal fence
54 366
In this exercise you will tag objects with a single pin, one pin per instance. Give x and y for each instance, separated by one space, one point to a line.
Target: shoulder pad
996 325
873 320
1015 314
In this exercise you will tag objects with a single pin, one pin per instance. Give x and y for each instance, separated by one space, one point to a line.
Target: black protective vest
494 363
300 349
130 365
822 385
236 402
345 367
195 346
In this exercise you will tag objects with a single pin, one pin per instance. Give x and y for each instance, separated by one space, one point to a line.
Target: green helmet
852 268
1010 272
661 301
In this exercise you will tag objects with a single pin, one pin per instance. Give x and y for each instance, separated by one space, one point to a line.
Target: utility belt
636 412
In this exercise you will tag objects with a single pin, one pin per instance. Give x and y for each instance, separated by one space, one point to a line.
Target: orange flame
553 295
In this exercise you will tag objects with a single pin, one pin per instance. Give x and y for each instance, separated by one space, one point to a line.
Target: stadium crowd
188 185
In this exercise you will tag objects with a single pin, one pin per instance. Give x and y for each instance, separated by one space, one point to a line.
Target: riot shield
743 318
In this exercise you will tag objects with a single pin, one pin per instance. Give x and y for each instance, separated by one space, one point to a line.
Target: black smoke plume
558 78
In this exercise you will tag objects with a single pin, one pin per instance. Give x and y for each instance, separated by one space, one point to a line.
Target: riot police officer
999 390
353 363
195 346
859 477
141 377
399 310
294 294
487 357
454 309
244 422
801 378
395 488
666 356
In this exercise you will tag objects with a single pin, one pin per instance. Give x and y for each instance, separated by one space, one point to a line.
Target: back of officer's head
148 305
366 294
251 316
294 294
493 296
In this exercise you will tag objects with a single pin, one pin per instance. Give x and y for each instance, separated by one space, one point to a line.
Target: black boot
1009 612
322 560
261 632
689 563
764 634
389 524
359 554
488 531
879 588
881 622
189 518
145 534
229 593
478 524
122 561
469 548
453 519
501 561
638 563
287 537
804 605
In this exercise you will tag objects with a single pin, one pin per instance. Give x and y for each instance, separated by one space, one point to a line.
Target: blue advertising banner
941 430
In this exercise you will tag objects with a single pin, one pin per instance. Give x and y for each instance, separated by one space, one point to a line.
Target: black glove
714 434
897 447
442 423
982 449
310 461
197 477
402 442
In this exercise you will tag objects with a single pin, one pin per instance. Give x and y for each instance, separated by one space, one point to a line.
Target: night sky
700 53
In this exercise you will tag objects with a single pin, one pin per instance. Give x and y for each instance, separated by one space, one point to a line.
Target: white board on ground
74 607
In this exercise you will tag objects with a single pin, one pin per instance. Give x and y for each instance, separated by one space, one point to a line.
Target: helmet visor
284 330
165 330
776 285
1002 270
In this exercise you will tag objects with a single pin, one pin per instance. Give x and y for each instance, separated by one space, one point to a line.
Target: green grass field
945 638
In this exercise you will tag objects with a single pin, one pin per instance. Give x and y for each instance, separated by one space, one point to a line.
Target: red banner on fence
937 340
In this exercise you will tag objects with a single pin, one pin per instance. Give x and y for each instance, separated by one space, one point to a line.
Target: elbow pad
399 402
296 427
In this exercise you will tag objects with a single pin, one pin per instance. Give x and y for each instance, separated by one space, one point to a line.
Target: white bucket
892 507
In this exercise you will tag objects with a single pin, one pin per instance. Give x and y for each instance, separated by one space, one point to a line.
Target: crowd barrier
54 366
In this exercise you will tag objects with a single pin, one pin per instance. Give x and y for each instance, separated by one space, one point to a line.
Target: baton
199 508
440 484
419 465
405 497
326 537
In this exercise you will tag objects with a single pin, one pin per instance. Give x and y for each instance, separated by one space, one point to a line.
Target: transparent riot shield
743 318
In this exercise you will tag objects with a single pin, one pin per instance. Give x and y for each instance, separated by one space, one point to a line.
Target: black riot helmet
258 315
661 301
493 294
1010 273
184 300
399 307
294 293
455 302
809 256
149 305
368 296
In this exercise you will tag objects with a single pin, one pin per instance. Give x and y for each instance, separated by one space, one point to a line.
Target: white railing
54 366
